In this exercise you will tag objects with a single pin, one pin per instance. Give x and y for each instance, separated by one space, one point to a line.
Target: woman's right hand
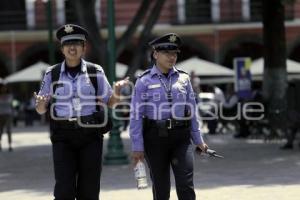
41 102
136 156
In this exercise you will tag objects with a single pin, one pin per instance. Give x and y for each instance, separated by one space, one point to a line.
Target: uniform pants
77 156
162 152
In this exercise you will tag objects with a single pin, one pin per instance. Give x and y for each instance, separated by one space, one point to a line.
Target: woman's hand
136 156
119 84
203 147
41 102
115 97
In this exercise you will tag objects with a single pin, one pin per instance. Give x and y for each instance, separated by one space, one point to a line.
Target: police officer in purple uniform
163 121
77 146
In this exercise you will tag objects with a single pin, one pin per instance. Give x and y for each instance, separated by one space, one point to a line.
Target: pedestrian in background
29 110
163 121
6 115
71 91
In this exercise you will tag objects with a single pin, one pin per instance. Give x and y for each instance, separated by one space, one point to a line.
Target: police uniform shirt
79 87
150 100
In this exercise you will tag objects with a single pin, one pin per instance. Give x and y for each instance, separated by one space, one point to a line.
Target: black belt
167 123
73 122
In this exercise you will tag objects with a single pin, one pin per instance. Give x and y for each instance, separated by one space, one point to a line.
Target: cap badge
172 38
68 29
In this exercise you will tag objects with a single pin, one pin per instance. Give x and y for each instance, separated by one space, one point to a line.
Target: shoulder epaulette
144 73
97 67
181 71
49 69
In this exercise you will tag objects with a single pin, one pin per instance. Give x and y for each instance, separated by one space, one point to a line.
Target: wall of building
215 42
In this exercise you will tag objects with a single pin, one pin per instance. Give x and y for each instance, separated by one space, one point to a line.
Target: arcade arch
4 65
293 51
35 53
241 46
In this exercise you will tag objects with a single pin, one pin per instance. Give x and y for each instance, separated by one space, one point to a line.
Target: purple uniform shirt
150 100
79 88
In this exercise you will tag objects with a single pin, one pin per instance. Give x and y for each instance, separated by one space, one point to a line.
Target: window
12 14
71 16
198 11
256 10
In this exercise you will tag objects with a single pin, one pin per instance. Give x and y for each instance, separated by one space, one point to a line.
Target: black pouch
162 128
100 118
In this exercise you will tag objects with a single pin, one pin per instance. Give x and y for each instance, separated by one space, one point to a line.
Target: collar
83 66
155 70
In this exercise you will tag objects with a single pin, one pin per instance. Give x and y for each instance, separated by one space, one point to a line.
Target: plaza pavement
251 170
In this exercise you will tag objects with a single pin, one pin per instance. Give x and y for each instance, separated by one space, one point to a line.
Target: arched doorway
192 47
4 71
295 53
35 53
241 48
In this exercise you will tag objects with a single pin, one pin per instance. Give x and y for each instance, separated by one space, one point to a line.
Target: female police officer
77 148
163 121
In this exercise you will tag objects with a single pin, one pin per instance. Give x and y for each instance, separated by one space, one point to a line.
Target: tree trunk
275 75
85 10
142 44
125 39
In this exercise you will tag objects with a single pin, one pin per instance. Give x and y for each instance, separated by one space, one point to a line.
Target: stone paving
250 170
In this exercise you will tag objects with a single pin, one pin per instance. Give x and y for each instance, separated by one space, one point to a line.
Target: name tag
154 86
76 104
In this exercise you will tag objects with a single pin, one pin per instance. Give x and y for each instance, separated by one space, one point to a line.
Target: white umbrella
32 73
35 72
203 68
121 70
257 67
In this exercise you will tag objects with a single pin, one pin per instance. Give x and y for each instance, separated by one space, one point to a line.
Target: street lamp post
115 154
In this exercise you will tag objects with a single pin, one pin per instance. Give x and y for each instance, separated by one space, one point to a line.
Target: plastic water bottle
140 175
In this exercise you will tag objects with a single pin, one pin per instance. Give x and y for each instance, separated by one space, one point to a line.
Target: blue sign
242 77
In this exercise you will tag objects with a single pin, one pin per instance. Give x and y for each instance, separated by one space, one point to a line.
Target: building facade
215 30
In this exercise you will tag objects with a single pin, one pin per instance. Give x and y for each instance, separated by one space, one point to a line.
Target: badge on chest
154 86
76 104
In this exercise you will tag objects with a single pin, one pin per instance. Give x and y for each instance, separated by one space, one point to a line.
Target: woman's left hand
203 147
119 84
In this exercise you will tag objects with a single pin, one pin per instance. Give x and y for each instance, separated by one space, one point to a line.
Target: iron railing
194 13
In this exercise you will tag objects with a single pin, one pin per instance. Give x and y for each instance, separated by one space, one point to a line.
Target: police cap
170 41
71 32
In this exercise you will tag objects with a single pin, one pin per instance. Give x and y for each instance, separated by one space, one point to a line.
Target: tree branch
125 39
85 10
153 17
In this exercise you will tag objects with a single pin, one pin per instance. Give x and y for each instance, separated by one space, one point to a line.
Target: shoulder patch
181 71
144 73
49 69
97 67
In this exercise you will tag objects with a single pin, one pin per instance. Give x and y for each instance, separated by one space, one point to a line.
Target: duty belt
168 123
73 122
